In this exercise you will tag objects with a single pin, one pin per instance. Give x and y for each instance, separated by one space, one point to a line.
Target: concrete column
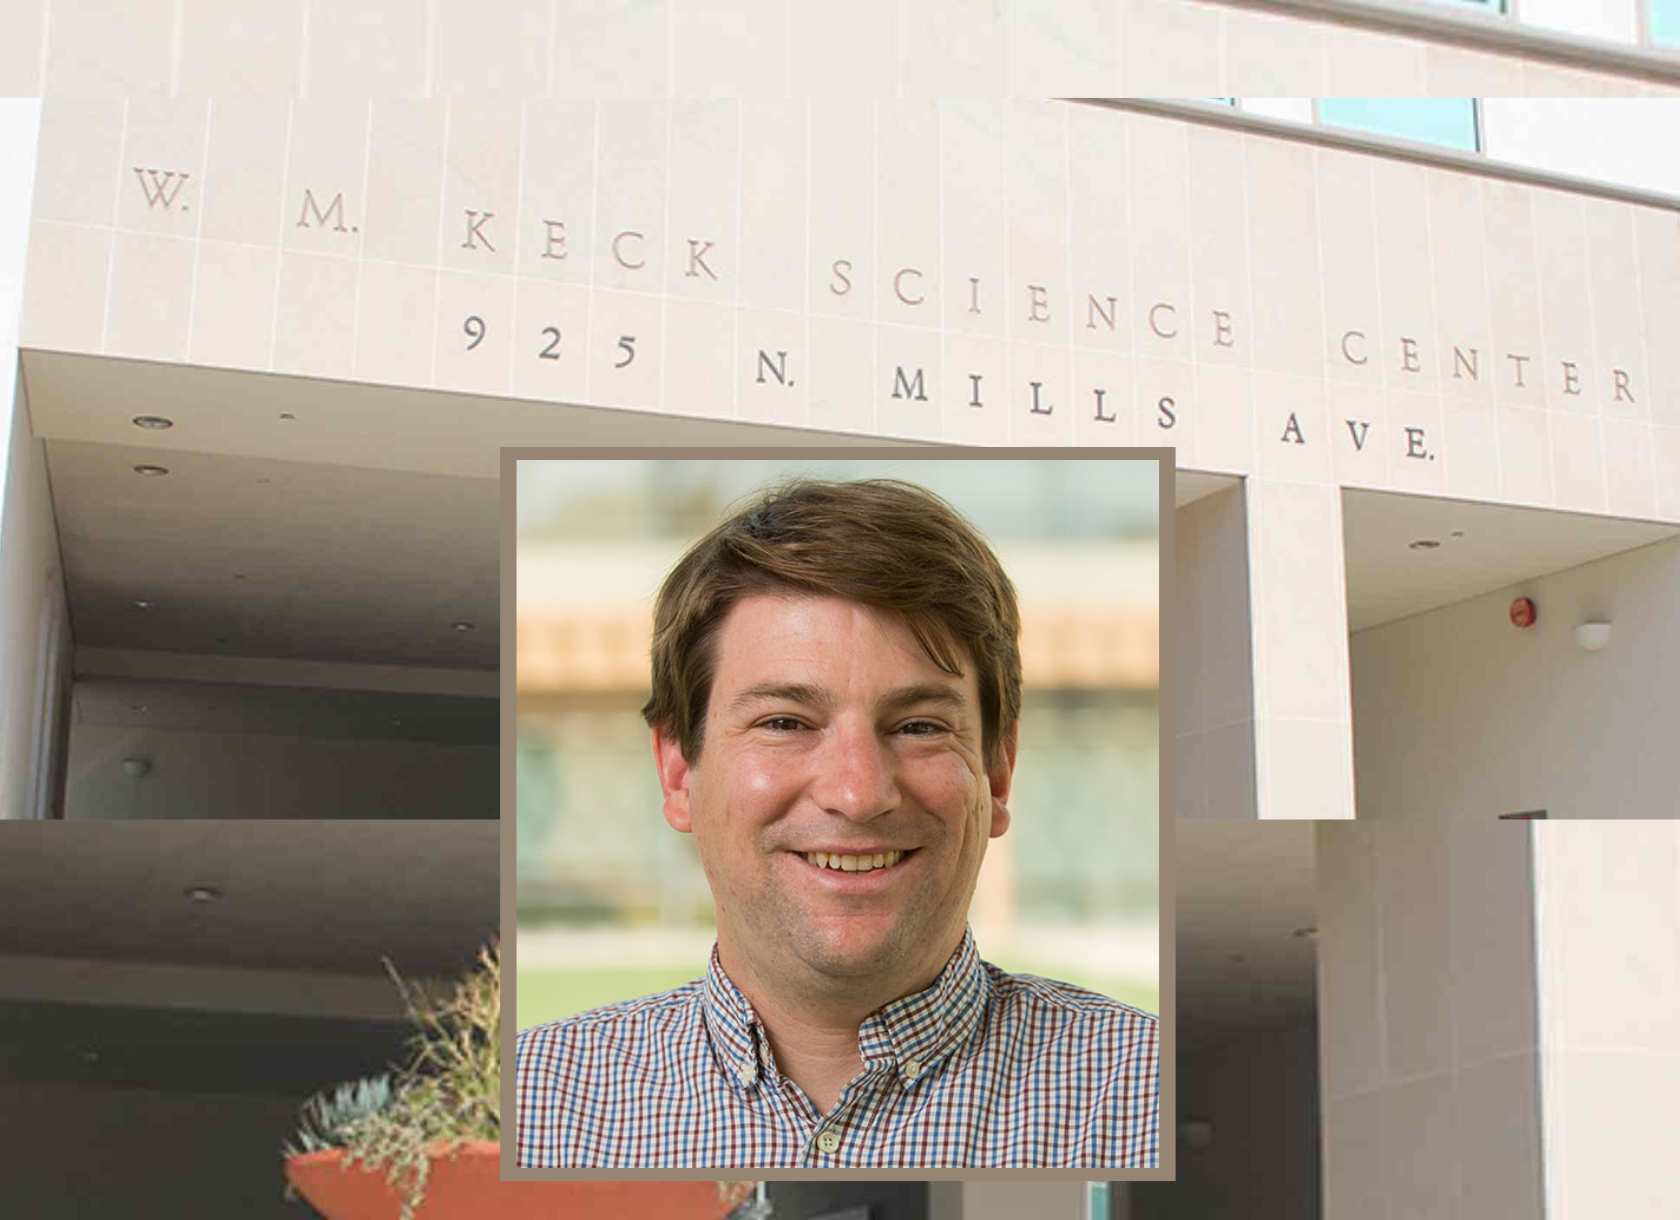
1209 626
1265 723
1427 1030
34 626
1608 928
1303 746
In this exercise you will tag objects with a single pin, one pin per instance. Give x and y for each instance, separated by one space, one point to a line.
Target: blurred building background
612 903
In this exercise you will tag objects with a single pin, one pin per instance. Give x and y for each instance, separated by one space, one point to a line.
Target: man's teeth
854 864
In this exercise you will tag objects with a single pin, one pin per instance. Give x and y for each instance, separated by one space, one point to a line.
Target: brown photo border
1165 459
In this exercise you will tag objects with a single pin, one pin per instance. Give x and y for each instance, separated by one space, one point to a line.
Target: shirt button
912 1068
828 1141
744 1070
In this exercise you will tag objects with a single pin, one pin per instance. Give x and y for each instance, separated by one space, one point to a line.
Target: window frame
1478 129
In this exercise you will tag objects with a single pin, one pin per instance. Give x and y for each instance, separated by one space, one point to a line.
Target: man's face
829 731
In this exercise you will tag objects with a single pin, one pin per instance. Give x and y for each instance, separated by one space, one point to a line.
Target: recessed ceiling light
203 893
287 415
153 421
1305 933
141 603
1424 544
151 472
463 625
137 707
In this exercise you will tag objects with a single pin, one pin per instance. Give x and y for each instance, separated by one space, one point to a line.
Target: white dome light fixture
1592 635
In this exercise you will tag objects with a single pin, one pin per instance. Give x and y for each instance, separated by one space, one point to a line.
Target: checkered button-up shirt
983 1068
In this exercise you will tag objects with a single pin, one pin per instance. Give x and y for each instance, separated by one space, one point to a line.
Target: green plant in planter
327 1118
442 1097
447 1094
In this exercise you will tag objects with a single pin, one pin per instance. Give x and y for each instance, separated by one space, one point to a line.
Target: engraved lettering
1409 355
1571 378
552 351
1414 443
898 286
697 258
1622 390
1463 363
1098 394
627 345
1222 335
777 367
334 212
474 328
163 192
475 230
618 253
1348 355
1292 431
1094 310
1517 363
841 268
1154 320
973 294
554 232
1168 414
1039 309
974 395
907 387
1359 433
1036 408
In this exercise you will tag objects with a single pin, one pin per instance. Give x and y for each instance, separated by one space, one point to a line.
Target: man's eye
921 728
781 724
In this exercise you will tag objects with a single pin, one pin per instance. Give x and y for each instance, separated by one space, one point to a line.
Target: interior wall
823 1200
1458 713
197 774
1427 1016
1006 1200
1609 933
79 1150
1259 1092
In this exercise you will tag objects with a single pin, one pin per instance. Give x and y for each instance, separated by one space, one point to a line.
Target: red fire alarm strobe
1523 612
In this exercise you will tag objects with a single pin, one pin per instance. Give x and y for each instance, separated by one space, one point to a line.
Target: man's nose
855 774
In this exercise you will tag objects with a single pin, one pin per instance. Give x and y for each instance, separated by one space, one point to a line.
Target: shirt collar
918 1030
913 1032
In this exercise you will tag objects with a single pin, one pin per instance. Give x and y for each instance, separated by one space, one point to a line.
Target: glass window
1662 22
1097 1205
1447 121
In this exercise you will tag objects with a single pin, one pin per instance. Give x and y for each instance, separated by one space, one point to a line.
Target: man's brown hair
883 543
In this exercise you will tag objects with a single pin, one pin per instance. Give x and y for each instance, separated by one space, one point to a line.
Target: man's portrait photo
835 696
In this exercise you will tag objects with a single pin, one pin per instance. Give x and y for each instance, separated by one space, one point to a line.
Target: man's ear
999 775
674 773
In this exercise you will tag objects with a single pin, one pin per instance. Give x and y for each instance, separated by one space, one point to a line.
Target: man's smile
856 873
855 862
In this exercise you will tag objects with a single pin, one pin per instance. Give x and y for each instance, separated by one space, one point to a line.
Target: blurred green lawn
548 995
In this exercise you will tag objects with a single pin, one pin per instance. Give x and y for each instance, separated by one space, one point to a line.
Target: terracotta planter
467 1186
